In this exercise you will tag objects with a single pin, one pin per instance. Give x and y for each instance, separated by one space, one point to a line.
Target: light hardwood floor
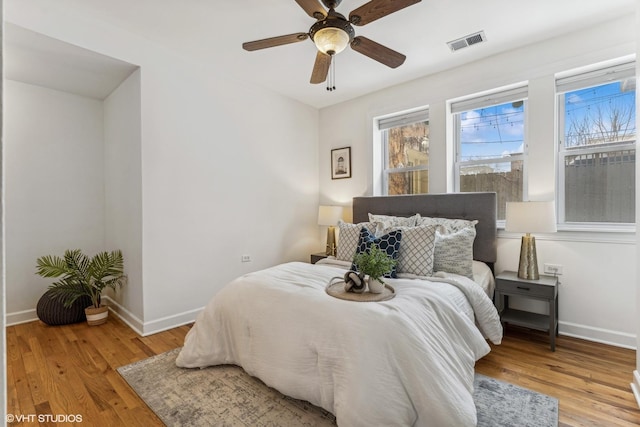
71 370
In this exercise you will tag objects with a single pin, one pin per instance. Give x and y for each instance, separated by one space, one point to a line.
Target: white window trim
567 82
613 236
488 99
383 124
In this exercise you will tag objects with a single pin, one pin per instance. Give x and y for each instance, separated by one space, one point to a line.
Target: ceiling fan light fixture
331 40
332 34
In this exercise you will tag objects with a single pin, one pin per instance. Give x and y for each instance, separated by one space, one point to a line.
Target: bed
406 361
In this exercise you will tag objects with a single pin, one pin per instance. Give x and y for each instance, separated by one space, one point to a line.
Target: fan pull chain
331 80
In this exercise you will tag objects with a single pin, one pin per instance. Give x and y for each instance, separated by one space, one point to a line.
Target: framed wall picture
341 163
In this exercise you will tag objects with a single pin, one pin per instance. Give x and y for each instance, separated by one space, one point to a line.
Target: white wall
226 169
54 188
597 295
123 190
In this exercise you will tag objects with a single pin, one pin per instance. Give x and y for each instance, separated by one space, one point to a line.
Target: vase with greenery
375 263
81 275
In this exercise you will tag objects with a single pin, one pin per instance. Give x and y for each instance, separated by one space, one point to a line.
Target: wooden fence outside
596 191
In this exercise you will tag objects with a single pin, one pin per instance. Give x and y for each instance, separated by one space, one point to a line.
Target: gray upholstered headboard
480 206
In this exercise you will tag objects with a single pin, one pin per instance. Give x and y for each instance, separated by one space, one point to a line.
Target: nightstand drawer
523 288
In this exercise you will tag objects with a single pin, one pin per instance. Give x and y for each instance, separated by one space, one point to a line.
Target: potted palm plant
375 263
81 276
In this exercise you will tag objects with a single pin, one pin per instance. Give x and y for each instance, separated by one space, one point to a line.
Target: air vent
467 41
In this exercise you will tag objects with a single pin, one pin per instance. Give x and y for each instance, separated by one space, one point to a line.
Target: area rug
227 396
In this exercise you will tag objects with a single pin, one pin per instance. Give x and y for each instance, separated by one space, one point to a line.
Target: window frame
383 124
499 96
572 81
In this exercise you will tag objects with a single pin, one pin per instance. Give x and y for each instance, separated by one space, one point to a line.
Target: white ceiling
212 31
42 61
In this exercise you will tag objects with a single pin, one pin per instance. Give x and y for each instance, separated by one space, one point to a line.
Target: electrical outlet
555 269
245 258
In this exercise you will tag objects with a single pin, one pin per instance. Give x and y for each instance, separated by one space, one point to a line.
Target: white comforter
403 362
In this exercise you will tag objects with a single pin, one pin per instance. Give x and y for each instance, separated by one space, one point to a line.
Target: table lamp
530 217
329 216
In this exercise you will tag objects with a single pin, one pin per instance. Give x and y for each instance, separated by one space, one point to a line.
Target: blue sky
492 132
497 131
599 101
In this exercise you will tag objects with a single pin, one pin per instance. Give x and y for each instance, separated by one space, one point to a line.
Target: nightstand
317 257
545 289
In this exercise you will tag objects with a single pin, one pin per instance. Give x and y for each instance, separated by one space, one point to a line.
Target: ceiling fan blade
274 41
313 8
320 68
377 9
380 53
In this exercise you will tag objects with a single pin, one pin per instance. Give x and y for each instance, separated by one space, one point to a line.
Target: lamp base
331 241
528 266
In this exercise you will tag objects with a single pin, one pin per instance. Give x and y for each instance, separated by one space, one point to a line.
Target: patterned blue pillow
389 243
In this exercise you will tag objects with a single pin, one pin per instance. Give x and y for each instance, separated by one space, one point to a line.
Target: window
597 155
405 157
490 145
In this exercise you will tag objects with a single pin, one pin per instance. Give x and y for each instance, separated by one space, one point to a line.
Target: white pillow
394 221
454 251
417 250
483 276
348 239
451 225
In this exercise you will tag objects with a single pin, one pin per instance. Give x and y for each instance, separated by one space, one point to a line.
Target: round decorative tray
336 289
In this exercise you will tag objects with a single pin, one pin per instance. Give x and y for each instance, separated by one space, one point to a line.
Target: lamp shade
331 40
531 217
329 215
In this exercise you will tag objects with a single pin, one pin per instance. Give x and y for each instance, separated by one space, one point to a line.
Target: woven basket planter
52 311
97 316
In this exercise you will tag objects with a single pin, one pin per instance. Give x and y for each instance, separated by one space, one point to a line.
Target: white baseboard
635 386
154 326
140 327
169 322
32 315
604 336
19 317
125 315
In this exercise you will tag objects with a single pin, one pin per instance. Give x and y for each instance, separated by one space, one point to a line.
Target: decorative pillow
389 243
348 239
451 225
417 250
454 252
395 221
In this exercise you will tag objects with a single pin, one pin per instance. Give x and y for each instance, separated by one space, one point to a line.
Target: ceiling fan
332 32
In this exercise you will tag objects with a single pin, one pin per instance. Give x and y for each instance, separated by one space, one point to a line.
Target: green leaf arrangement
374 262
82 275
